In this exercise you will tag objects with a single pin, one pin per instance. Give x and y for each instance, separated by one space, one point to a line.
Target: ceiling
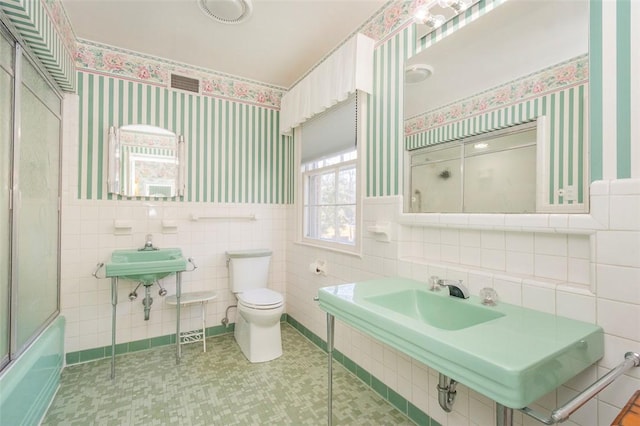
279 42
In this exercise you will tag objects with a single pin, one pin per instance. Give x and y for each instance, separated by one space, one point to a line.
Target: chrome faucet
148 245
456 288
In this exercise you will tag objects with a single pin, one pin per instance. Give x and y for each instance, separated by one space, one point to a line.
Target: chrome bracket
95 273
190 260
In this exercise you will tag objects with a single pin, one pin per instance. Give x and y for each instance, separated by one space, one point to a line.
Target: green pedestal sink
508 353
146 266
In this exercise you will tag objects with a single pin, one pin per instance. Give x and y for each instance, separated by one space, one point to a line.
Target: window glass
329 211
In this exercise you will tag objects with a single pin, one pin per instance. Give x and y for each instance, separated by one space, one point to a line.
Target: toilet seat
260 298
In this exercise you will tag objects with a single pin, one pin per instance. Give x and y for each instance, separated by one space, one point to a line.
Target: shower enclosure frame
21 54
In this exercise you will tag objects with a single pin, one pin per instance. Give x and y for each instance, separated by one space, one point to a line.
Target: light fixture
457 5
434 21
416 73
422 16
421 13
481 145
227 11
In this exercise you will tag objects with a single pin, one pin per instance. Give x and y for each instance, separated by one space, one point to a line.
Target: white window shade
346 70
331 132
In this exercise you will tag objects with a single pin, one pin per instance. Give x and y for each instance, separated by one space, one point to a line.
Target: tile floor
219 387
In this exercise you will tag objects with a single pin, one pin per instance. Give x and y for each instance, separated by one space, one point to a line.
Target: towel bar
560 414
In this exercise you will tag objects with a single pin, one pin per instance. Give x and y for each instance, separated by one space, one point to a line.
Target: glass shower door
6 124
36 217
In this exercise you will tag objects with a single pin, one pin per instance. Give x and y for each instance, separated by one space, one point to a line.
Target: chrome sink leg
114 302
178 293
330 329
504 415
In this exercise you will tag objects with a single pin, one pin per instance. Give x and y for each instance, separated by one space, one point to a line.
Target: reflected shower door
6 124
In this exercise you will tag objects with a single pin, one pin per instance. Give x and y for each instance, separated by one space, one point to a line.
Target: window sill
336 248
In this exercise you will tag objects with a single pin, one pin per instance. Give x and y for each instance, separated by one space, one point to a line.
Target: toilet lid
260 298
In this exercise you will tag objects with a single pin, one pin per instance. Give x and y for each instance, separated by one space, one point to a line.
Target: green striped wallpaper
384 121
614 95
47 41
234 152
384 116
471 14
615 89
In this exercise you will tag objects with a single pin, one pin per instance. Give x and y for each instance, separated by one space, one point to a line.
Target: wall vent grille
185 83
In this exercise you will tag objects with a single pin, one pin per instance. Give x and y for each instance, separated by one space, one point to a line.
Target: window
329 208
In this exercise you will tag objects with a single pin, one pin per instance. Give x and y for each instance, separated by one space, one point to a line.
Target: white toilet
257 328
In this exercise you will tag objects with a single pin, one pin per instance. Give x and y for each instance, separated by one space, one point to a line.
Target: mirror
523 60
145 161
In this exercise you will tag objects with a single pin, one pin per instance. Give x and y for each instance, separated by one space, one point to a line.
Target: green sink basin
145 266
446 313
510 354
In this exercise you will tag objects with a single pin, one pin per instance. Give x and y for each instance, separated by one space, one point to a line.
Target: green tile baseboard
394 398
137 345
144 344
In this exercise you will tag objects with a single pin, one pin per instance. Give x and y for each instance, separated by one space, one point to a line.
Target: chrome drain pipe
446 392
147 302
225 320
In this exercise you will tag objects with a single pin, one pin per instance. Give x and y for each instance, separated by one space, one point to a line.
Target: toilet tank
248 269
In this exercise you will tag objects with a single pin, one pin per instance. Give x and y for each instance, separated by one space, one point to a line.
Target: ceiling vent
227 11
185 83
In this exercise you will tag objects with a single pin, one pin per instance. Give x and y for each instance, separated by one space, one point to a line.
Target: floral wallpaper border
393 16
96 57
561 76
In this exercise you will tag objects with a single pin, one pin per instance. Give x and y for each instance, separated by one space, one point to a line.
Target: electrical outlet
568 193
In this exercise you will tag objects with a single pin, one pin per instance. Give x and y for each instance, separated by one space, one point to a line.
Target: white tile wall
86 301
525 262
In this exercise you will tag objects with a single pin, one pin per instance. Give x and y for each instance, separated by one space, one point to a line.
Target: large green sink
448 313
146 266
508 353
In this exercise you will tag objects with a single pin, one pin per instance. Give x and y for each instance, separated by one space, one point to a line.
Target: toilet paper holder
318 267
